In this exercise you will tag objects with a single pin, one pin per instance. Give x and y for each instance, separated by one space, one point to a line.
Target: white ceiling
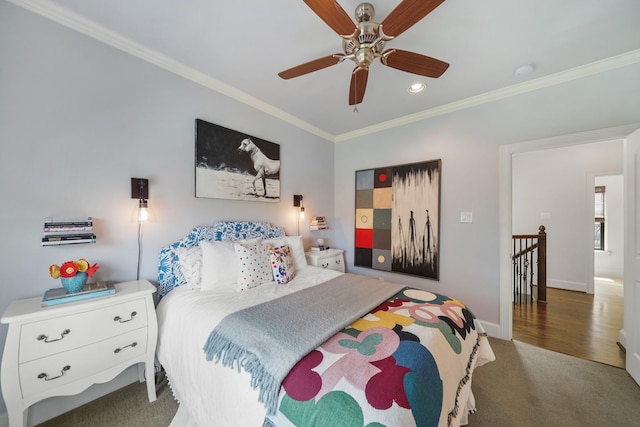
238 47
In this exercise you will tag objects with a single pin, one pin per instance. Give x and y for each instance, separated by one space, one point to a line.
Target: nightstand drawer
47 337
42 375
332 259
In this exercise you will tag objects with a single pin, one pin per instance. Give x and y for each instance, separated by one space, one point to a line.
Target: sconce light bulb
143 213
301 213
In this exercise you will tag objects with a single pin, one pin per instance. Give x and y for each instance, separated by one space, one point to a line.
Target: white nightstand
330 258
63 349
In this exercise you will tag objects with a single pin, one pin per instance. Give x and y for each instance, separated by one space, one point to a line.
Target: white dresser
329 258
63 349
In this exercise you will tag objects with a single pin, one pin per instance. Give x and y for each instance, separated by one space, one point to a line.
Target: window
599 213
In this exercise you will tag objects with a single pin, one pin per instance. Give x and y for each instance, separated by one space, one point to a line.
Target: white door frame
505 176
630 335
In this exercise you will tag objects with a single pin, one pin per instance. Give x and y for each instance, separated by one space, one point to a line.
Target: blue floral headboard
169 273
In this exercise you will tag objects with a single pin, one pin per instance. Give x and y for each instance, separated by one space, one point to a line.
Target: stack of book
90 290
67 231
318 223
319 248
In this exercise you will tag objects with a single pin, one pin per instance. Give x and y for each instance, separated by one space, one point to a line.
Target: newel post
542 264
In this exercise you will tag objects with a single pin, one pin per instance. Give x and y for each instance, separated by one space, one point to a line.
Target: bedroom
78 118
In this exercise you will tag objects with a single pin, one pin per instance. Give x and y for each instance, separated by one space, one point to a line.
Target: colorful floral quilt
407 363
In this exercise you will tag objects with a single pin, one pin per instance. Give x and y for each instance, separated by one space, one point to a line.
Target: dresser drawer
40 376
47 337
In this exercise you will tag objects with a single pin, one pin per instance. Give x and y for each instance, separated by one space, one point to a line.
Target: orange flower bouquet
73 274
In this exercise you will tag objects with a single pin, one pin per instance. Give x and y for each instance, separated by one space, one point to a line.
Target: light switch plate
466 217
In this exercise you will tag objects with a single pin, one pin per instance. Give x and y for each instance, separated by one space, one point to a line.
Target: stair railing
529 249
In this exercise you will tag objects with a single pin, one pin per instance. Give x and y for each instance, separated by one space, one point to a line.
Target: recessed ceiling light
524 69
416 87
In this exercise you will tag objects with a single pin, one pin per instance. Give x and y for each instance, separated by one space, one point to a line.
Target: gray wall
468 143
78 119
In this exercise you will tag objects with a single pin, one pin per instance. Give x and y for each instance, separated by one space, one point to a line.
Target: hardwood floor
575 323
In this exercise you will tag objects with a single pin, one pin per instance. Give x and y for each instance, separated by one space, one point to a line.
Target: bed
250 335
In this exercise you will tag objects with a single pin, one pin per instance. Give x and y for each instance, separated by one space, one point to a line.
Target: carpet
530 386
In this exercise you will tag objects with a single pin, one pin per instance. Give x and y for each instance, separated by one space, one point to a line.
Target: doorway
583 316
507 152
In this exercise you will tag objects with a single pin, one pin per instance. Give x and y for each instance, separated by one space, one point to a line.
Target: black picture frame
397 218
234 165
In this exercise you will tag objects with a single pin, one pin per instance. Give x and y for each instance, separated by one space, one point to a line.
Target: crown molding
89 28
597 67
98 32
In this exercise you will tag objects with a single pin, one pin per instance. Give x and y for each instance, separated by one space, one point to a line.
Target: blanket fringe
231 355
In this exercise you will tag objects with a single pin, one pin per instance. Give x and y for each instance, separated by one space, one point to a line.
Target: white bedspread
221 394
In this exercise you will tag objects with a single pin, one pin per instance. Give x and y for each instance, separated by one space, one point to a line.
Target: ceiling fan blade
413 63
333 15
308 67
358 85
407 14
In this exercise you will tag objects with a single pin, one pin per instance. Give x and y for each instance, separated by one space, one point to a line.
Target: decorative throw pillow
282 264
254 266
190 262
296 246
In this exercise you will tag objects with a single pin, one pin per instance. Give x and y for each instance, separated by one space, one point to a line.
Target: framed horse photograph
233 165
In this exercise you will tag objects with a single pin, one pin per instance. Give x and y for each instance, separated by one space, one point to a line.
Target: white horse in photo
264 166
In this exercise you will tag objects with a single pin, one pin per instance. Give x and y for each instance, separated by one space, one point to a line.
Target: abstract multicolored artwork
398 218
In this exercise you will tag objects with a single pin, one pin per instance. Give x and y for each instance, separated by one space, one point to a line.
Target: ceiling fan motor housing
368 45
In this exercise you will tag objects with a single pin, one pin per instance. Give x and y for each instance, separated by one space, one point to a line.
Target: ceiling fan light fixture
417 87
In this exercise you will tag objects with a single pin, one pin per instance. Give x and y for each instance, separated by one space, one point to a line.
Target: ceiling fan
365 41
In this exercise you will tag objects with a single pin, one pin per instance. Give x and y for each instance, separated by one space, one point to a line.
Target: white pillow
297 249
254 266
219 266
190 262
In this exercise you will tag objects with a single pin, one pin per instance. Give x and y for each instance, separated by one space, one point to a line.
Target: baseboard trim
492 329
623 339
567 285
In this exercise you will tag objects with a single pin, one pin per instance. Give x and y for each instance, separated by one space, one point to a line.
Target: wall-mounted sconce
297 203
140 191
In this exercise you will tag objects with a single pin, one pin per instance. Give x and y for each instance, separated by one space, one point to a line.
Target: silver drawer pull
119 349
119 319
46 339
46 376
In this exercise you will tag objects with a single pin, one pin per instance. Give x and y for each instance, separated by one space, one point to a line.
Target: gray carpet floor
525 386
529 386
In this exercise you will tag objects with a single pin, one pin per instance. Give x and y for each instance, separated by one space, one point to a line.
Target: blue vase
75 283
